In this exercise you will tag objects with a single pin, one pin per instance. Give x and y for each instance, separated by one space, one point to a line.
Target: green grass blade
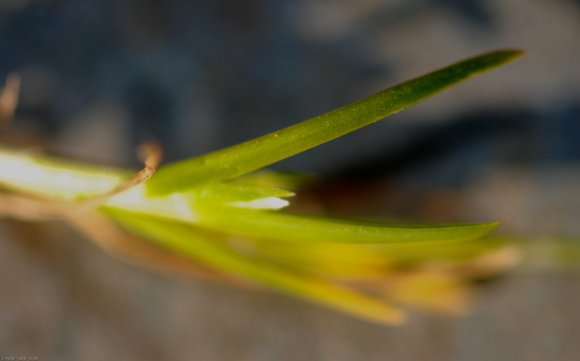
301 228
362 256
189 241
257 153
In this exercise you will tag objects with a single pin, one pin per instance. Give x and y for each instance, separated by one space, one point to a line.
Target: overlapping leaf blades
201 208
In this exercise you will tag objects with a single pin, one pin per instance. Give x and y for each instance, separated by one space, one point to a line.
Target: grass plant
221 215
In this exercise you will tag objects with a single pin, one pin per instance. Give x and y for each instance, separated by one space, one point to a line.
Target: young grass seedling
217 215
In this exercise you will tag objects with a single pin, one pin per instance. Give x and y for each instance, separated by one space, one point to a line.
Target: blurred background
101 76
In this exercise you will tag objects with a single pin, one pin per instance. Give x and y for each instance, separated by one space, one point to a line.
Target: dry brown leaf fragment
9 99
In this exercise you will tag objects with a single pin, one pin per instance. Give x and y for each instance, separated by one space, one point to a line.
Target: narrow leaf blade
257 153
188 241
302 228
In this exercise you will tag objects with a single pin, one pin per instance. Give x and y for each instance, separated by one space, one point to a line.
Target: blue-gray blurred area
197 76
101 76
192 75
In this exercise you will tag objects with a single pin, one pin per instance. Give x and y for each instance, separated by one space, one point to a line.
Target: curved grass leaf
188 241
257 153
301 228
